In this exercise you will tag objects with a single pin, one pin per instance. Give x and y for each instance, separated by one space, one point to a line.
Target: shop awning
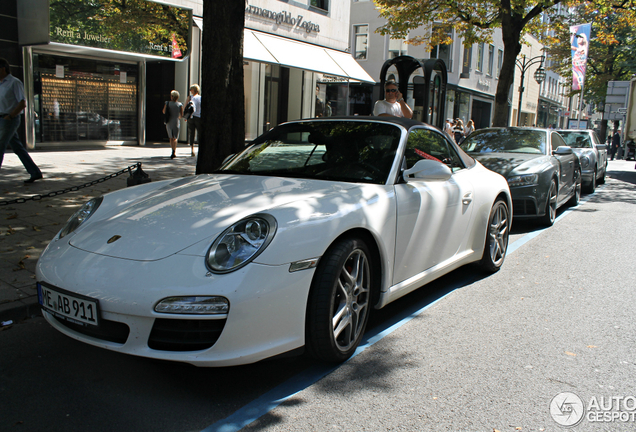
267 48
301 55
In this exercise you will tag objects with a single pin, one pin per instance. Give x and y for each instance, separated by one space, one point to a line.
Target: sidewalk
26 229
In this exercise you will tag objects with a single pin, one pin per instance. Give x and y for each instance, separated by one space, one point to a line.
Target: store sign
483 83
332 79
283 18
138 26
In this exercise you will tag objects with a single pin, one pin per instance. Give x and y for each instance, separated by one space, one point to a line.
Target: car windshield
576 139
353 151
506 141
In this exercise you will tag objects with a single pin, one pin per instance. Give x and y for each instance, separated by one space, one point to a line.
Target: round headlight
80 216
241 243
585 161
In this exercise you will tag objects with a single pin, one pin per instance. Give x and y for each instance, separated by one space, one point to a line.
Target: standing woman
194 122
470 128
458 131
173 125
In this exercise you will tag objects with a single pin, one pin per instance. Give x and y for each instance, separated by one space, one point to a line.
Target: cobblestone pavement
26 228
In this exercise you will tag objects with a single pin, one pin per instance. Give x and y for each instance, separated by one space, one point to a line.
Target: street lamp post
539 76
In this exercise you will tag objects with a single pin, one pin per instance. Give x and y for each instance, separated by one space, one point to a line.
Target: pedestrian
194 122
448 128
393 103
319 109
175 109
12 103
458 131
470 128
616 143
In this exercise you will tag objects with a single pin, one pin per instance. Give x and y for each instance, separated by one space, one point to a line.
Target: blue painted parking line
526 238
278 395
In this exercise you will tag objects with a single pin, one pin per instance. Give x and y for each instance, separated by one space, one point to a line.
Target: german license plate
71 307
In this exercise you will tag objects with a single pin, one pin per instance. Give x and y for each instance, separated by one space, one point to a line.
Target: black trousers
195 125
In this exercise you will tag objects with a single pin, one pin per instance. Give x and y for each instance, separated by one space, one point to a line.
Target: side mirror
563 150
427 170
601 146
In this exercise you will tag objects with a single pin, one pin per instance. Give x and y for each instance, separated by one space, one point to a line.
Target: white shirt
197 105
384 107
11 93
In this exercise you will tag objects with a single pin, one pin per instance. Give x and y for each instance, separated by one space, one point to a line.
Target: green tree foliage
475 21
222 91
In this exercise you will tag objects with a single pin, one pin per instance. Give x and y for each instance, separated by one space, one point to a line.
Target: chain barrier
72 189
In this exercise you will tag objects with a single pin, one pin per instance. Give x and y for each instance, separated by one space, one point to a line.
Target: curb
20 310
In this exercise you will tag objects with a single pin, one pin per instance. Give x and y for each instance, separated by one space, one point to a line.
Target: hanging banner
580 43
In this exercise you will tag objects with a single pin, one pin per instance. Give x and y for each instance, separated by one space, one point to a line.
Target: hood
508 164
187 211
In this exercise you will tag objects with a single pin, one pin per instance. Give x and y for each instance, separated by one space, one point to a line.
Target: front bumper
587 176
528 201
266 315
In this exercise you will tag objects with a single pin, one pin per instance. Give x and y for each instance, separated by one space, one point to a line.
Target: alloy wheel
351 300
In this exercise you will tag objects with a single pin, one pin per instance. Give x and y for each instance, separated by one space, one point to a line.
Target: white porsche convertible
290 245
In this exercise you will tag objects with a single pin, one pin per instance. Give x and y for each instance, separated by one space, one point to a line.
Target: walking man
12 104
616 143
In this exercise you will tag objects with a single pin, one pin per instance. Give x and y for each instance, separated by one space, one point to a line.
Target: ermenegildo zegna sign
137 26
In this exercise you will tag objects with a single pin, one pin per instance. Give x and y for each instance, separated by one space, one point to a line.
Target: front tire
496 238
339 301
592 186
550 206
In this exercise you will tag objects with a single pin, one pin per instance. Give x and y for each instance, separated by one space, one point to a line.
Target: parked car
592 154
290 244
542 171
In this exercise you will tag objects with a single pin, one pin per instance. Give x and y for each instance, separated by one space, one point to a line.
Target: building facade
472 70
473 73
101 75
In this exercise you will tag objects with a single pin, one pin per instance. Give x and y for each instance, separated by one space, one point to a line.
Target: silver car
592 154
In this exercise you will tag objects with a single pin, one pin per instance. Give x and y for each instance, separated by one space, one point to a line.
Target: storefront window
334 91
85 100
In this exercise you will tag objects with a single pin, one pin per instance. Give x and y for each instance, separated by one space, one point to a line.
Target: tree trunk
222 91
511 32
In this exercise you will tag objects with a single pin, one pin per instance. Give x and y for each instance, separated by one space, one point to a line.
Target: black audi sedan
542 171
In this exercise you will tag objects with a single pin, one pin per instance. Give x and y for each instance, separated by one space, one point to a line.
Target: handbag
166 115
189 110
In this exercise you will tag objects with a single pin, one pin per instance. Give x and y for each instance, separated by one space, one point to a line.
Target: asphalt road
467 353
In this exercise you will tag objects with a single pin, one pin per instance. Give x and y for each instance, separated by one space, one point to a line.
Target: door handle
468 198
